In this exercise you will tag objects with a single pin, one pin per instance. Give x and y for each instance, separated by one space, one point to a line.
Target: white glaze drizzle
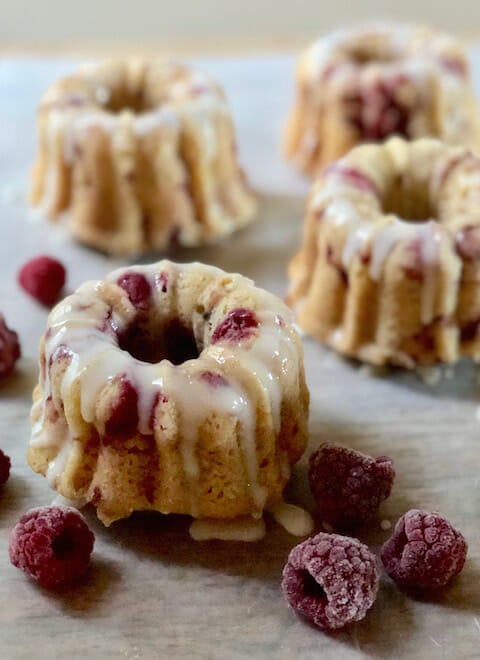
57 466
292 518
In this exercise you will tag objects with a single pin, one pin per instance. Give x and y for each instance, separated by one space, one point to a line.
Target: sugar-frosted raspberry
331 580
348 486
137 288
5 465
424 552
43 278
237 325
52 544
9 348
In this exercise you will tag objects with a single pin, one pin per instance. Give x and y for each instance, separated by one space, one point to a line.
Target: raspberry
377 111
9 348
424 552
353 176
137 288
52 544
348 486
5 465
161 281
468 242
43 278
123 418
331 580
237 325
213 379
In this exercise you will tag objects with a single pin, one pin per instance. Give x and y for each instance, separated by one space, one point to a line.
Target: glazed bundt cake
390 263
176 388
368 83
143 156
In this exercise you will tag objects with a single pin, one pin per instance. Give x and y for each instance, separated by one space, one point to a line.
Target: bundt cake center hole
363 54
117 101
409 202
171 341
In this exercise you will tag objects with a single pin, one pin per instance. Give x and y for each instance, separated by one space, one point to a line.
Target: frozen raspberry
52 544
424 552
331 580
348 486
43 278
237 325
5 465
9 348
137 288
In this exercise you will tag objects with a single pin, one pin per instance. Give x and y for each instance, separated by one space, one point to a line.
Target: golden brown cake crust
142 155
390 262
368 83
173 388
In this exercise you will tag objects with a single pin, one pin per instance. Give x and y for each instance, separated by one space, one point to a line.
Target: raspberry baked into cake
390 263
143 156
368 83
176 388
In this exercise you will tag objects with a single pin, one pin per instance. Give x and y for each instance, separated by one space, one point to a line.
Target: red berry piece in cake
5 465
213 379
454 65
348 486
52 544
161 281
377 112
9 349
123 418
239 324
352 176
137 288
331 580
425 552
468 243
43 278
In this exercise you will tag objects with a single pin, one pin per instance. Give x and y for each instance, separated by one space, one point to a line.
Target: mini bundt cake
175 388
143 156
369 83
390 263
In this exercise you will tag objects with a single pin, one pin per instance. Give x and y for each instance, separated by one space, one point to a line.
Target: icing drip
293 519
386 238
57 466
196 404
246 529
430 255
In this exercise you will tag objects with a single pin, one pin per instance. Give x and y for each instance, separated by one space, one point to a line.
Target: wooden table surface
154 593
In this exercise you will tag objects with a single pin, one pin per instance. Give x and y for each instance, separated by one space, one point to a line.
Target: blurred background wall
211 23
